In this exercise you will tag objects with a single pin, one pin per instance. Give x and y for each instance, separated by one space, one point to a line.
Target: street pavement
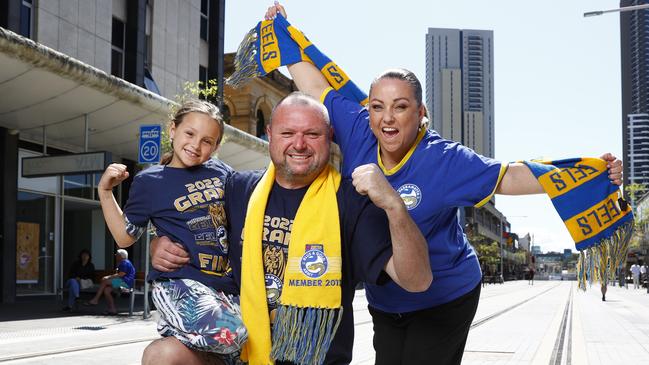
550 322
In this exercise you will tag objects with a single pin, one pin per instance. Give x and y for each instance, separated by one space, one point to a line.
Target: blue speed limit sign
149 144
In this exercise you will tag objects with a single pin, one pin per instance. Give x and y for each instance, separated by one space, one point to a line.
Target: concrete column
8 201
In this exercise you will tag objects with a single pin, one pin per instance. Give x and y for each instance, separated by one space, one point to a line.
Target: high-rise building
634 32
460 86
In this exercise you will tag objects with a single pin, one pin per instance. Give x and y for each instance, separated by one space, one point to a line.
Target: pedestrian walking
635 272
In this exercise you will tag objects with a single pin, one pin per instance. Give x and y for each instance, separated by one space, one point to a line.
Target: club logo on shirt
273 289
314 262
410 194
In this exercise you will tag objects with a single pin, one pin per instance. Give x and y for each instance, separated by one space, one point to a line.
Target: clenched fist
369 180
115 173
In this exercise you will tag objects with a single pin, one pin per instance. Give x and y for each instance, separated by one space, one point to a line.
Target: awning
41 87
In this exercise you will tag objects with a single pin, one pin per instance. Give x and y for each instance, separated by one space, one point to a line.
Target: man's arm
409 265
519 180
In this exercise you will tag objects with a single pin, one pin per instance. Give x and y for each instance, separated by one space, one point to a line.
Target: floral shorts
200 317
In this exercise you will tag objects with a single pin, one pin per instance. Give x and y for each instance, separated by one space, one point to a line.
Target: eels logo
314 262
410 194
273 288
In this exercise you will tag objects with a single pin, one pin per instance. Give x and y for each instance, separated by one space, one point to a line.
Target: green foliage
488 253
635 191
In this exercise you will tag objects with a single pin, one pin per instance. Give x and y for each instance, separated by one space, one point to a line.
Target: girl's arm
113 176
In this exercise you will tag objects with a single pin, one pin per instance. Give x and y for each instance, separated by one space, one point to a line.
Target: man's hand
614 168
115 173
369 180
167 256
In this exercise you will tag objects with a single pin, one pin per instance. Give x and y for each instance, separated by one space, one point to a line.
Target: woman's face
395 117
85 258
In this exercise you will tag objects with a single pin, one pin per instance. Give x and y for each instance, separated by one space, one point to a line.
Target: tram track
488 318
70 349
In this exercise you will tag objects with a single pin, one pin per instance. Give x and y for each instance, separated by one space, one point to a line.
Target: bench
137 289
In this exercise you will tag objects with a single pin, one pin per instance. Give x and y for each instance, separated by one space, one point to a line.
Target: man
379 241
635 272
124 277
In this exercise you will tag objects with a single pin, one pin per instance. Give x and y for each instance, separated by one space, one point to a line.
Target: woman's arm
307 77
113 176
519 180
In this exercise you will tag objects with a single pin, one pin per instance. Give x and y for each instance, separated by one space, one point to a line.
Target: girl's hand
272 11
115 173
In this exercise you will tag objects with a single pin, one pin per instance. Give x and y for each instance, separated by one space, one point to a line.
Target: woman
80 277
434 177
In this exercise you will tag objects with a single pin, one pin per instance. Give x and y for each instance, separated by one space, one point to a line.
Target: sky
556 73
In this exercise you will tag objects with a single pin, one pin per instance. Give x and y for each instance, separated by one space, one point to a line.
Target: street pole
620 10
502 268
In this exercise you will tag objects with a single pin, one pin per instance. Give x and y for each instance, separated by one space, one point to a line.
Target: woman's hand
614 168
272 11
369 180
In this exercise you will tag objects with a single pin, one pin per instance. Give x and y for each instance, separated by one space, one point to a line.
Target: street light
620 10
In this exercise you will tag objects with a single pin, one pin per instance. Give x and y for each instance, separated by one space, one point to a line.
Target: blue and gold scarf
275 43
592 208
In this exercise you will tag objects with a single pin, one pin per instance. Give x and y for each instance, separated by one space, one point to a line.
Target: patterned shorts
200 317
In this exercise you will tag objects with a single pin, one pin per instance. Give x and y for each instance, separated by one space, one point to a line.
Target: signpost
149 152
149 144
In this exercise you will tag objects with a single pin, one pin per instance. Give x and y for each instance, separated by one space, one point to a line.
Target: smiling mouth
299 157
191 154
389 132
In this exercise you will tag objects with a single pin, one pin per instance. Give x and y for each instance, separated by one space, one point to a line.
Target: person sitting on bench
124 277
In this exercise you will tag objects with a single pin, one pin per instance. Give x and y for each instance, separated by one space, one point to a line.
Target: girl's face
85 258
395 117
194 140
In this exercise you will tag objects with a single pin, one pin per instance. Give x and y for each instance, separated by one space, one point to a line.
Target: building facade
460 102
637 155
634 42
460 86
81 76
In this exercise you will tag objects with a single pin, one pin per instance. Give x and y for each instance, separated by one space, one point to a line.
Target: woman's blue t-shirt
435 178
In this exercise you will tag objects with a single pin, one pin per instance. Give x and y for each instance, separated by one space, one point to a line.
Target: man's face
299 142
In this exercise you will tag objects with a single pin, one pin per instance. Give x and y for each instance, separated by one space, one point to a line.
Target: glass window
26 18
35 244
205 8
80 186
117 50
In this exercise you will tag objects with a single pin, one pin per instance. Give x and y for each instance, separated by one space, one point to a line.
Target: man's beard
289 174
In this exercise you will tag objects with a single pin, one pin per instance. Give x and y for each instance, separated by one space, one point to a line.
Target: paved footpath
550 322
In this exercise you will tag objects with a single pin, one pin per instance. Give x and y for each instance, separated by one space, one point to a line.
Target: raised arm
306 76
113 176
519 180
409 265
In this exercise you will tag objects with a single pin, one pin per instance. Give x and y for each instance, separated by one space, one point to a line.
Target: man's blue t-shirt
435 178
127 267
365 240
187 205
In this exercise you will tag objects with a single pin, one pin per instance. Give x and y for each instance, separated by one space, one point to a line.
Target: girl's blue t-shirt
186 205
435 178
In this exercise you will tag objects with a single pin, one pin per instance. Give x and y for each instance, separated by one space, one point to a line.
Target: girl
183 198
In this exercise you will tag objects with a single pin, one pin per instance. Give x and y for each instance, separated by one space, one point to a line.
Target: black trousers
429 336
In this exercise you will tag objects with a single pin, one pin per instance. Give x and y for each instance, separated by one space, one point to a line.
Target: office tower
634 39
460 86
